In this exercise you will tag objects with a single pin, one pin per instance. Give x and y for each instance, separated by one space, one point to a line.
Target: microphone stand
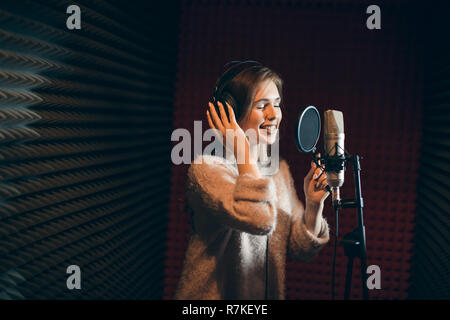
354 243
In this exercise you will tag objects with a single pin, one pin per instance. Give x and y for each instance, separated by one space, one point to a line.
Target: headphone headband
230 73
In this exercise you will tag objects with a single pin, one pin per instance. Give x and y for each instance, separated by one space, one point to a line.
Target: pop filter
307 130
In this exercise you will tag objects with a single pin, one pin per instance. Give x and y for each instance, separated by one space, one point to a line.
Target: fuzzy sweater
233 216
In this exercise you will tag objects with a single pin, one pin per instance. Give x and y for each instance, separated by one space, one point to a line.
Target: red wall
329 59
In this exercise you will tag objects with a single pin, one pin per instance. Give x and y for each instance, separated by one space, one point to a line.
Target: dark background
86 118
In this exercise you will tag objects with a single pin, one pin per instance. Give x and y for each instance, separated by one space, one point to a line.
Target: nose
271 113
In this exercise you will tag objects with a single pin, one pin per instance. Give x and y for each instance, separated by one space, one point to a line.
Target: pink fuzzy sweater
233 216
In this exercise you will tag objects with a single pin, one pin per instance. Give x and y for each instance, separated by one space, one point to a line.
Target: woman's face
265 115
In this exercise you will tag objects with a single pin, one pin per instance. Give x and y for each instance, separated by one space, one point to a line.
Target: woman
245 222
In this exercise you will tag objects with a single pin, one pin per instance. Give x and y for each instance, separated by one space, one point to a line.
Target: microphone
334 152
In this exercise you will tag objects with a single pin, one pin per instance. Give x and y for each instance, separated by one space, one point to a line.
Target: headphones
219 94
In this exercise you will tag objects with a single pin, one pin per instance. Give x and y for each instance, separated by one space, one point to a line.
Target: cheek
256 119
260 120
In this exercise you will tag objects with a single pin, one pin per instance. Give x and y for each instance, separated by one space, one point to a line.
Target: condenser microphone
334 151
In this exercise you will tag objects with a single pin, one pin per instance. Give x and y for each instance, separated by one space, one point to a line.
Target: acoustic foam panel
430 272
85 119
329 59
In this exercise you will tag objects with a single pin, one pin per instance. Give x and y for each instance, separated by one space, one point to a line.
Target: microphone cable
266 287
334 252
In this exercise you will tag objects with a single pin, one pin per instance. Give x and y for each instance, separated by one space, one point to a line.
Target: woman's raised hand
240 143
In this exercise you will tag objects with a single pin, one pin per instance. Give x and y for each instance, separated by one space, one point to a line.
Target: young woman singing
245 222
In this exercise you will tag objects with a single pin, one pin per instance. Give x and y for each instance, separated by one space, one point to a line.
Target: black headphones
223 96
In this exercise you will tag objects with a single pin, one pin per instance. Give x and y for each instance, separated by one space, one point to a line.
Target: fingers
319 178
216 132
215 117
313 173
320 162
322 181
223 115
319 175
324 184
231 113
208 116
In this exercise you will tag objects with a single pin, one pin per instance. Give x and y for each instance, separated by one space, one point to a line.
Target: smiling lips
270 128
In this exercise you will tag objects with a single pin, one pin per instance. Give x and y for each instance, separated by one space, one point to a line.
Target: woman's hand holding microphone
314 186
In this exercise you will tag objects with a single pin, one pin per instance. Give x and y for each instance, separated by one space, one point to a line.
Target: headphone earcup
220 95
225 98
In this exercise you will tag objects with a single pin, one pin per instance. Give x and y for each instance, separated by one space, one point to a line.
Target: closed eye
262 107
262 103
